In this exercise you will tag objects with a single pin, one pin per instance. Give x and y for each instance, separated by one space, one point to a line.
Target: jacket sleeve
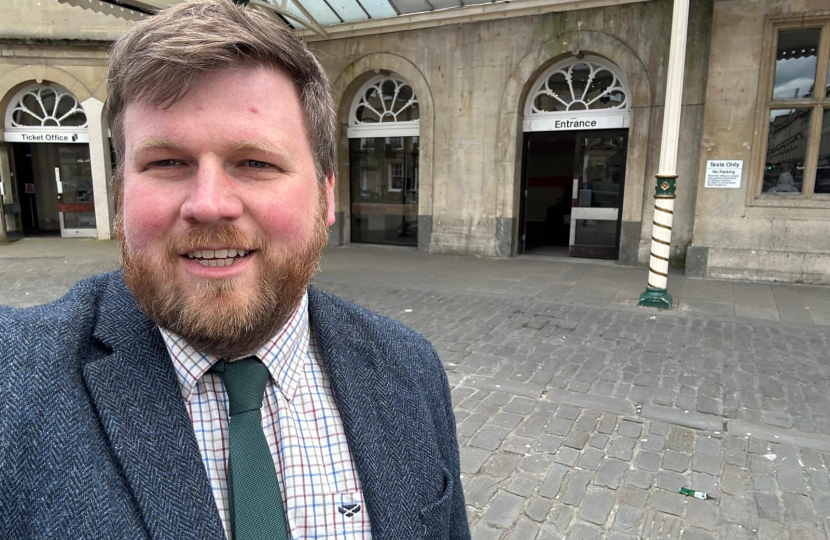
459 528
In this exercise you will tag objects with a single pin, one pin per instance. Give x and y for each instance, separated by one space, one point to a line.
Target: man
207 391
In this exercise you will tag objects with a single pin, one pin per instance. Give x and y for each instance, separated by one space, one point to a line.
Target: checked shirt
317 475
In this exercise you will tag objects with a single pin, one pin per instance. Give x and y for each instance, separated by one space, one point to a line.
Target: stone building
495 129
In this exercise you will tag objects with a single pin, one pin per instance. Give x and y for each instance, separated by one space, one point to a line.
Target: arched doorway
575 128
384 138
47 131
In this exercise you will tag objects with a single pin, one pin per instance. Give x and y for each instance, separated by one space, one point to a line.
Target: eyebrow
156 142
263 147
170 144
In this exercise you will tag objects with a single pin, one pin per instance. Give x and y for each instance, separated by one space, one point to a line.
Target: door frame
523 193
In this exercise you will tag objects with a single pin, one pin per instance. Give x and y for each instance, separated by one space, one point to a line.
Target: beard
222 317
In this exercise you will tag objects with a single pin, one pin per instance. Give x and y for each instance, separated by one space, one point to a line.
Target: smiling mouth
218 257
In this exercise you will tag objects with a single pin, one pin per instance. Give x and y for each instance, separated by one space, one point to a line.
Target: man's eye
254 164
165 163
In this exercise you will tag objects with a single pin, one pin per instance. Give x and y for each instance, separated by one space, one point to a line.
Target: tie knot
245 382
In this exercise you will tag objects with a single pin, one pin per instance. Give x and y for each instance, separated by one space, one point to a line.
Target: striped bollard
656 294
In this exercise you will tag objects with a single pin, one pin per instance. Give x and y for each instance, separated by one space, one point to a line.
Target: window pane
827 87
795 63
786 149
384 190
823 169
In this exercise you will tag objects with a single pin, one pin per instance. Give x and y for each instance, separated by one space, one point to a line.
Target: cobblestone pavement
582 422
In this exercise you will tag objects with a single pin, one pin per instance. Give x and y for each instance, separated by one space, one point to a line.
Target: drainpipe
656 294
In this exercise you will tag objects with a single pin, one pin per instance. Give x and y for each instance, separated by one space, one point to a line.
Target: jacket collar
134 389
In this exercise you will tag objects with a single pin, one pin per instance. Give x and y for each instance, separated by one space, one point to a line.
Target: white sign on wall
724 173
577 122
47 136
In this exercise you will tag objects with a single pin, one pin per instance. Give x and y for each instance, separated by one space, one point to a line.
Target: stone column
99 159
656 294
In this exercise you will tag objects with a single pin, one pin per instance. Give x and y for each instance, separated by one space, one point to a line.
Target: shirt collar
285 355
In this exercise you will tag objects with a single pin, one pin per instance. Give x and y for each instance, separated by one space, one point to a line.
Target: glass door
596 208
73 177
384 190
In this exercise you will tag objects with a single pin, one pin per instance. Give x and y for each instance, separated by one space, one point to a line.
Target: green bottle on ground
692 493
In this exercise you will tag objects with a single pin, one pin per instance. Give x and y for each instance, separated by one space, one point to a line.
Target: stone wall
474 79
734 237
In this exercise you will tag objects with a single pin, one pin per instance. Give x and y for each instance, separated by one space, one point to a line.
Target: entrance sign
41 136
724 173
580 121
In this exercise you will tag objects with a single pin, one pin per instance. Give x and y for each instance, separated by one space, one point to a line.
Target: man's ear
330 198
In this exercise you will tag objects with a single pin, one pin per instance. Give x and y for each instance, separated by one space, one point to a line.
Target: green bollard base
656 298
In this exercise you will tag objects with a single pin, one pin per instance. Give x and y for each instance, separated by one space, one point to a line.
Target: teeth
218 255
204 262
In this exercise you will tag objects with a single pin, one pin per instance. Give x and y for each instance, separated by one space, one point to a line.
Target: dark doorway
35 193
573 191
548 180
54 189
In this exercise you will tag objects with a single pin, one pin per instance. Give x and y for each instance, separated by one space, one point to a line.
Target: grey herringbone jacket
96 443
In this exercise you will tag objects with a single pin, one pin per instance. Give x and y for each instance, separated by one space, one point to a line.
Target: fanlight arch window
590 86
386 106
45 107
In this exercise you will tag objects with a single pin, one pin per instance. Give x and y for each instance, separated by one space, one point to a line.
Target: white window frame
358 129
391 175
13 132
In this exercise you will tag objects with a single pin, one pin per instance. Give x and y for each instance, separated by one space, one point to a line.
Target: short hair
160 59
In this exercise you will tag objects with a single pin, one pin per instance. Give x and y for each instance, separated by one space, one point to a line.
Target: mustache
203 236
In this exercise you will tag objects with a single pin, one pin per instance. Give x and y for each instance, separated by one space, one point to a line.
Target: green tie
257 512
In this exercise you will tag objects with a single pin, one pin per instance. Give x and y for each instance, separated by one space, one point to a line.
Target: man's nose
212 196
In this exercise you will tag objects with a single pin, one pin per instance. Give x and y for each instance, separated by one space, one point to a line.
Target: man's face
223 219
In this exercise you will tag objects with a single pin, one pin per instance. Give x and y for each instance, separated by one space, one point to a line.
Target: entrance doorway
573 185
54 189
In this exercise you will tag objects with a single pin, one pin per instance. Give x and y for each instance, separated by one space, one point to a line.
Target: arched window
48 132
588 86
46 107
385 105
384 136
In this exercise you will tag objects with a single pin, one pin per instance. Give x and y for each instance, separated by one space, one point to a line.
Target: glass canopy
311 14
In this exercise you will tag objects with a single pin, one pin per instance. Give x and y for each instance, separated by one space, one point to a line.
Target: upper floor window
795 131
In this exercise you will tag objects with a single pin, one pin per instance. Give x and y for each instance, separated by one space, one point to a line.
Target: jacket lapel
136 394
380 425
